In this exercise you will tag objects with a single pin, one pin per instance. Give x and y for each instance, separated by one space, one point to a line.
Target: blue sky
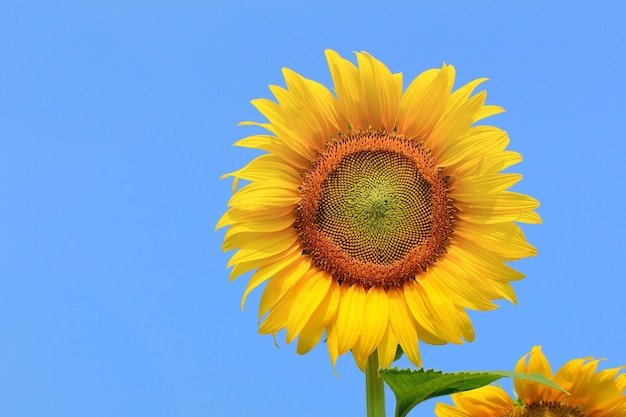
117 119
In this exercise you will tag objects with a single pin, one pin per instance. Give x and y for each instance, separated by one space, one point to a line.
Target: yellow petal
256 246
281 283
285 128
424 102
433 311
479 262
464 289
256 220
476 142
460 96
446 410
275 146
325 314
488 401
277 224
361 362
349 317
267 271
466 188
529 217
375 319
331 343
487 111
505 239
451 126
309 294
275 194
504 290
403 325
302 118
264 142
387 348
321 102
485 163
243 267
346 80
269 167
277 318
502 207
528 391
379 92
465 325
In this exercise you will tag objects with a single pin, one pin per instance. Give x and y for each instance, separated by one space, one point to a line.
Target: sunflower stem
374 388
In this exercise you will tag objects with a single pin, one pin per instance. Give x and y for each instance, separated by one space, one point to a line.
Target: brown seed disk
375 209
544 409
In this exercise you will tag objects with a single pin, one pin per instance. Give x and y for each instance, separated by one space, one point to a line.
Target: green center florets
376 206
376 216
372 209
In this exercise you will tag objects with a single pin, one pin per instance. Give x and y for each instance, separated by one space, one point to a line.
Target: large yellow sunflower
591 393
377 215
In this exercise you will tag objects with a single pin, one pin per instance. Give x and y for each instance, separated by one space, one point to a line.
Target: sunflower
376 216
591 393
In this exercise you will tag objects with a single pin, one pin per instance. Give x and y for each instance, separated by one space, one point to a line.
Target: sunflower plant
377 215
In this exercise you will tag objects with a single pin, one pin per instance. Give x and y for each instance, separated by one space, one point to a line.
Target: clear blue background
117 119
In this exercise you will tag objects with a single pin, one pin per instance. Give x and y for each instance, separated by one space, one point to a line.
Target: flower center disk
376 206
375 209
549 409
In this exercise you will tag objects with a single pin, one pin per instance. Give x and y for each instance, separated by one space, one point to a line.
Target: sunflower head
591 393
378 214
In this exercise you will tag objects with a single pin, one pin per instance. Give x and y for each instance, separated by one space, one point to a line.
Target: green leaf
412 387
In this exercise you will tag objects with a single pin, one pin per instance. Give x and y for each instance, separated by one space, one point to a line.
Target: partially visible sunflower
591 393
377 216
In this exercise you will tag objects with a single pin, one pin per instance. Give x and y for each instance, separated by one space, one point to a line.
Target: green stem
374 388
